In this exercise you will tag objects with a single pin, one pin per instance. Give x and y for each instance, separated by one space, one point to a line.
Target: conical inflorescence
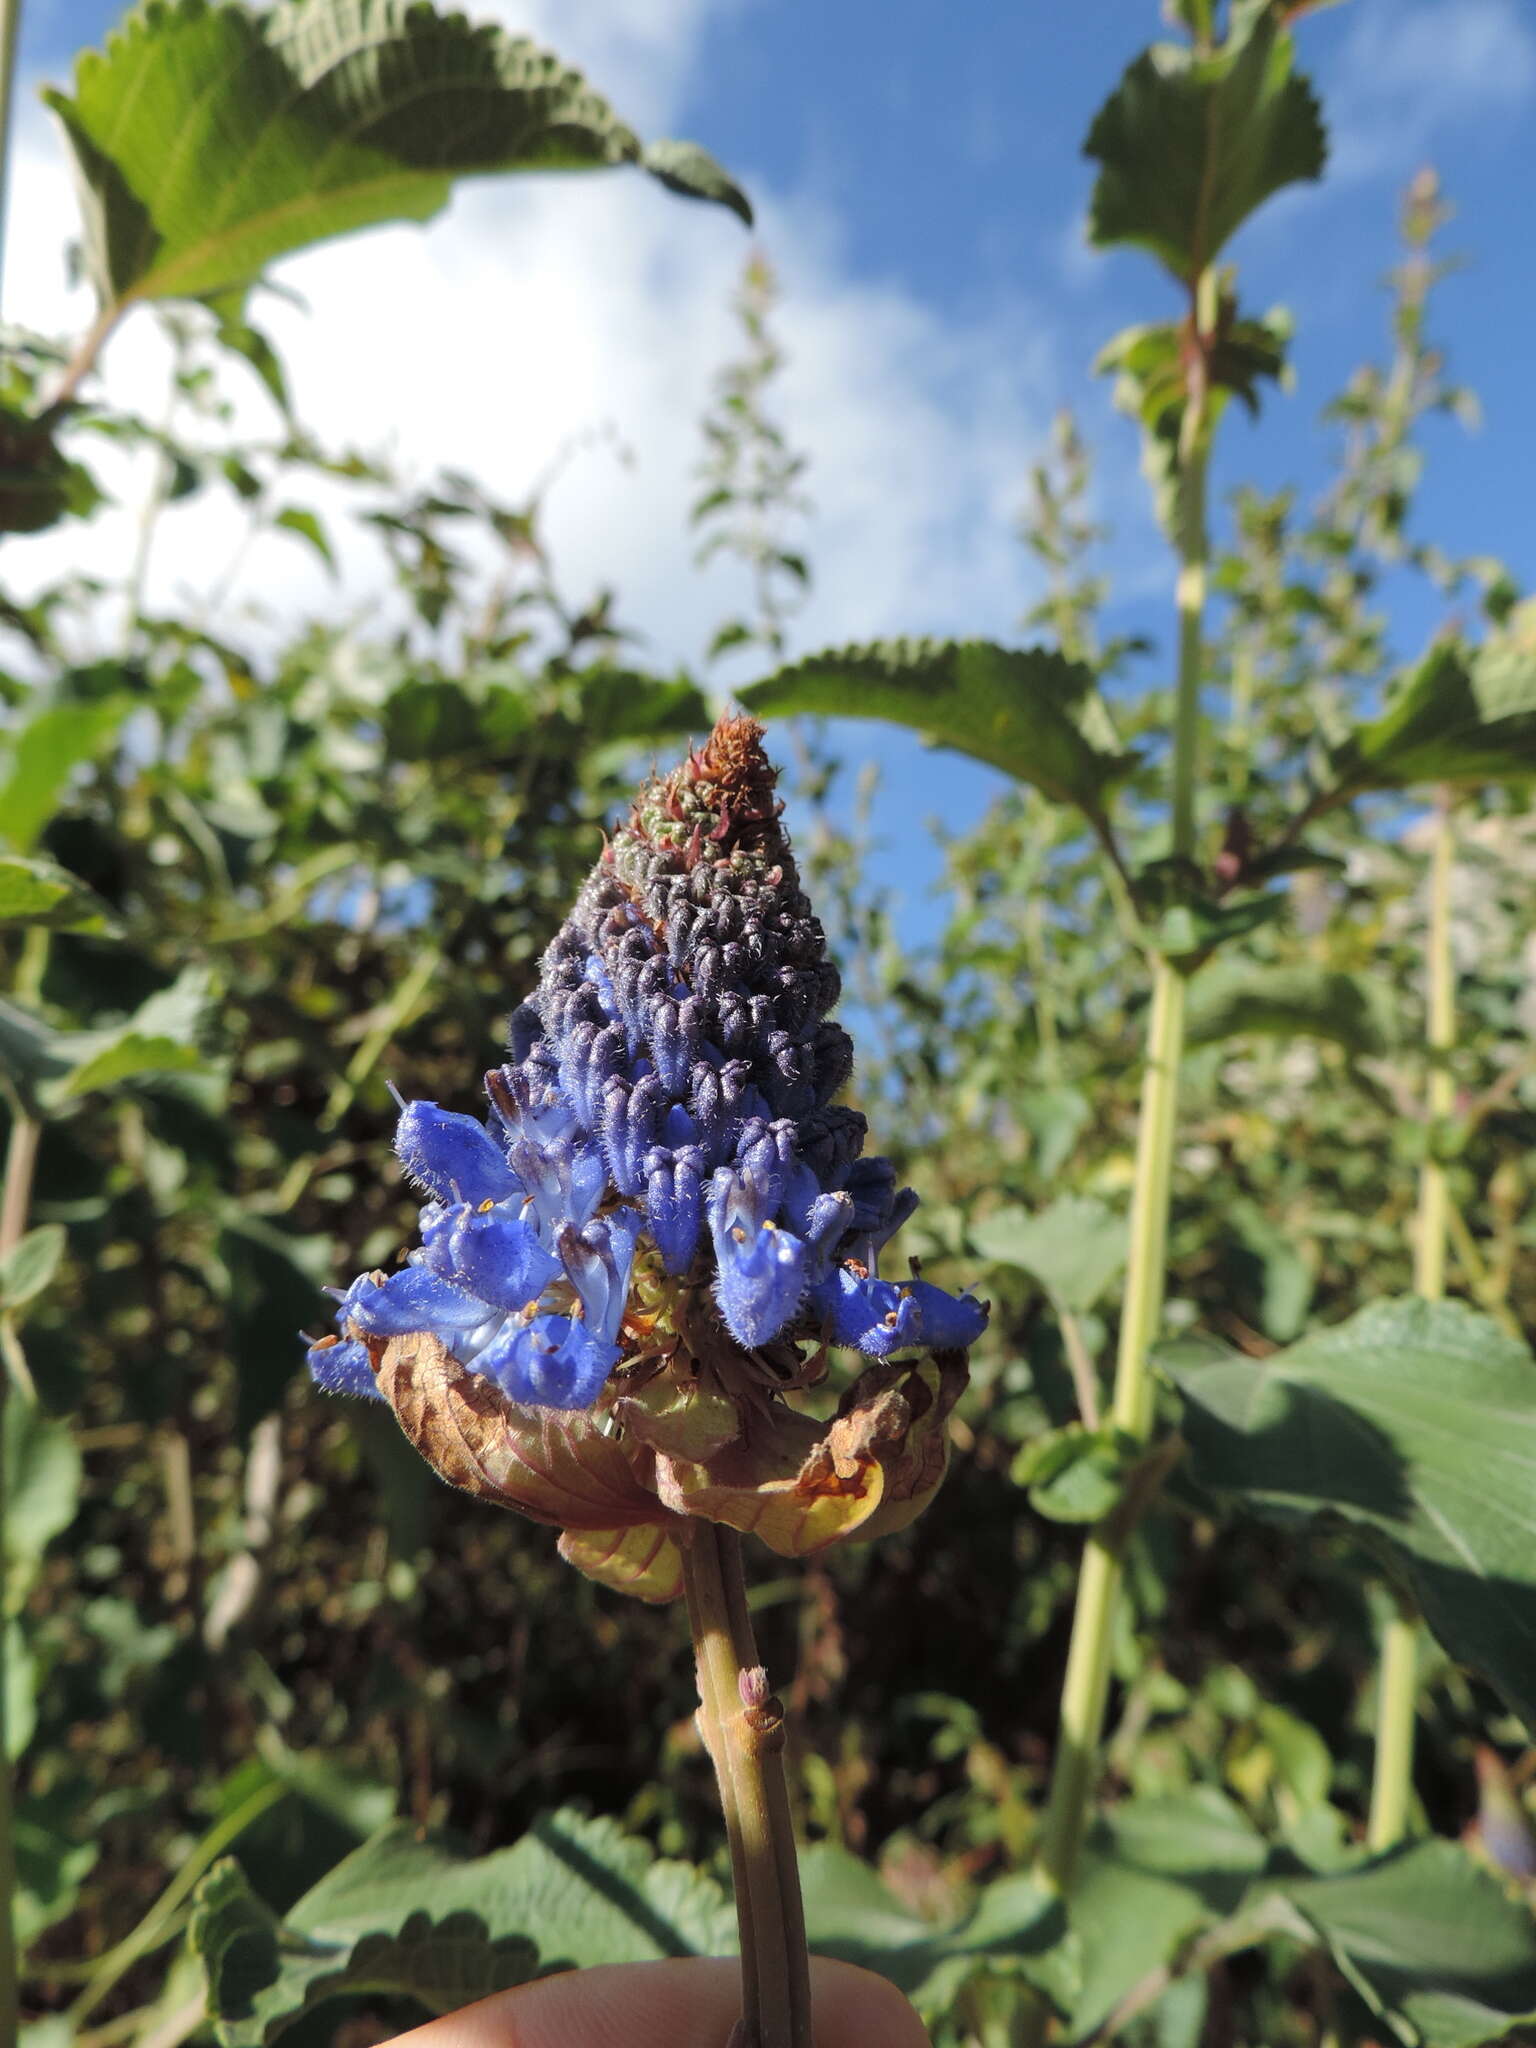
665 1167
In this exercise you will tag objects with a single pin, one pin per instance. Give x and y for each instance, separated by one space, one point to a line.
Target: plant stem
1087 1681
743 1729
15 1201
10 31
1397 1685
1086 1688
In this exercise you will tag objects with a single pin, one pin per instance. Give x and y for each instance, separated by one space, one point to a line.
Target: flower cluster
665 1162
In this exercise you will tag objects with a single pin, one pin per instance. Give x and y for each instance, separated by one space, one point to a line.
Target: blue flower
665 1121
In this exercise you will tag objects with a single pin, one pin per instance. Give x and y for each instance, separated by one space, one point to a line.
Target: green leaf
1465 716
42 1491
44 753
1075 1474
1427 1937
1416 1422
212 139
1188 146
684 167
42 893
1431 1941
1154 1872
1027 710
1015 1930
29 1266
294 519
403 1915
39 485
1074 1248
1235 997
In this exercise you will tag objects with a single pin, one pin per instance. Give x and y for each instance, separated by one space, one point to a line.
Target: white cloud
539 309
1409 72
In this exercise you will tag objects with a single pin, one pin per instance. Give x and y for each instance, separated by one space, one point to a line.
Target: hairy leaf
1460 715
406 1916
1027 710
211 139
1189 146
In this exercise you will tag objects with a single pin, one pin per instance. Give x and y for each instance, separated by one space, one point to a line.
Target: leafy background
260 862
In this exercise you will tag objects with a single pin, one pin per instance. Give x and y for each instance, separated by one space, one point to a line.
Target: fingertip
690 2003
854 2008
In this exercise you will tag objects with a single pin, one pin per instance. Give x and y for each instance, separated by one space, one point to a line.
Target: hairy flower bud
667 1217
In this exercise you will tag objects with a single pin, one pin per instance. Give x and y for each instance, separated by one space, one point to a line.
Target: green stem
1086 1687
10 31
15 1201
743 1729
115 1964
1397 1687
1087 1681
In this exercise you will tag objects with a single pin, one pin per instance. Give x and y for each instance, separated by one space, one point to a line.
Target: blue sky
921 188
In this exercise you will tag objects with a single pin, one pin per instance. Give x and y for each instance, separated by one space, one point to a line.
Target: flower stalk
743 1729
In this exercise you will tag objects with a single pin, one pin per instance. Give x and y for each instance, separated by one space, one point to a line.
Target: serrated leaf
406 1915
39 892
1461 716
212 139
1235 997
1027 710
1416 1422
1015 1929
1189 146
29 1267
686 168
1074 1248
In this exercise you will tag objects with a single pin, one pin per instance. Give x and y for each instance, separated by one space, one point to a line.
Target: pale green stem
743 1730
1086 1687
10 31
1087 1681
1397 1687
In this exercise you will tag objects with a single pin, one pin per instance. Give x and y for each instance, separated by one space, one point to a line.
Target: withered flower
665 1222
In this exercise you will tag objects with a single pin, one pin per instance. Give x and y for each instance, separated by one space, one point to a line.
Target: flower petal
412 1299
340 1366
499 1258
552 1362
878 1317
453 1157
761 1280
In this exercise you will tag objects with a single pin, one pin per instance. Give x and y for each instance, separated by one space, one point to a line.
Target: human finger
692 2003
